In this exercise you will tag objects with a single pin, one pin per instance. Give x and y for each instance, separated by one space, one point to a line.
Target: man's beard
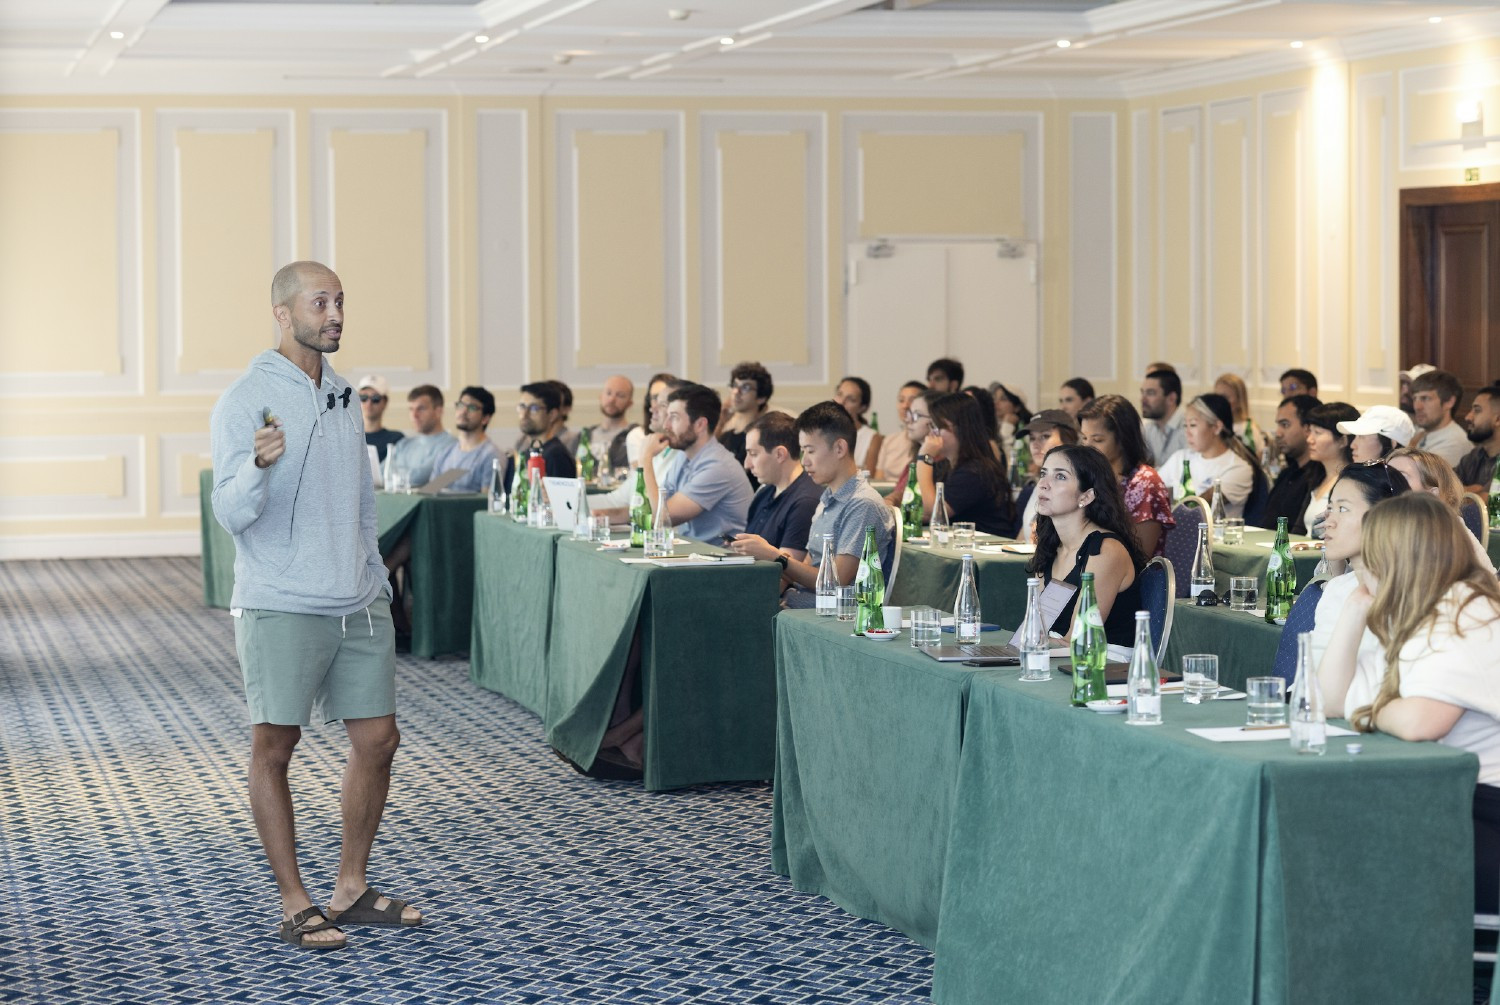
314 339
683 442
1153 412
1477 435
612 410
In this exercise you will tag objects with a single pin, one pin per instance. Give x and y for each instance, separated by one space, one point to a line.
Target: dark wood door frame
1418 268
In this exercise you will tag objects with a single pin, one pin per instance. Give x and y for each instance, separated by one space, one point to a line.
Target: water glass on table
398 481
658 543
1267 701
1200 677
1234 530
846 605
963 536
926 627
1242 593
599 529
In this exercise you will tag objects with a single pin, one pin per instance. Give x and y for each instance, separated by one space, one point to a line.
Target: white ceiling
916 48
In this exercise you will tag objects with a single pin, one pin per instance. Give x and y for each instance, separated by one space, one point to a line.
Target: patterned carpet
132 872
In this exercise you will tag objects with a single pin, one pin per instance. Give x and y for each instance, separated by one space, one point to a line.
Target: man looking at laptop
781 512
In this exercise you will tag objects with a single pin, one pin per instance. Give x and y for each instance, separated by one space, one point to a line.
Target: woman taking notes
1436 614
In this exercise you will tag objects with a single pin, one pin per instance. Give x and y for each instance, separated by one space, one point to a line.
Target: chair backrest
1021 501
1298 621
895 563
1158 594
1475 513
1181 542
1260 495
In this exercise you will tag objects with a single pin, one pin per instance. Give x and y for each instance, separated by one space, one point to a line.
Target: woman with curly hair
1435 611
1082 526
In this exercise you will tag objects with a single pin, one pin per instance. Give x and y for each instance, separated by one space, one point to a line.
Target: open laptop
1002 655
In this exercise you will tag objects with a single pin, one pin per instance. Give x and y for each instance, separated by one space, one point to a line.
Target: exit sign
1471 174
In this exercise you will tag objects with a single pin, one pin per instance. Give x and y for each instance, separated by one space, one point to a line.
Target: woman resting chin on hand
1436 613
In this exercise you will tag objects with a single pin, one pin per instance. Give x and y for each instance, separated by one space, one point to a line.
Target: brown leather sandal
363 912
296 929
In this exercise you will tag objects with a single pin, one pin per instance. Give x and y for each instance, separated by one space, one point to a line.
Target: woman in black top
1082 525
976 489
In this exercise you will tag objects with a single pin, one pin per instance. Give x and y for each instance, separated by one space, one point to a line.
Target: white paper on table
628 560
990 549
1239 734
1019 549
1118 690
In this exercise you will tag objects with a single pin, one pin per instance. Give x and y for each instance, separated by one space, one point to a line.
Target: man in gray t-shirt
708 495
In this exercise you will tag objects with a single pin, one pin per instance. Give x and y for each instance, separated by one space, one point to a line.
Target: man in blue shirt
474 450
781 512
413 455
707 495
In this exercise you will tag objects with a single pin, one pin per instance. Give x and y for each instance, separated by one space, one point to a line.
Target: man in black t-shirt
1292 490
374 395
538 411
781 512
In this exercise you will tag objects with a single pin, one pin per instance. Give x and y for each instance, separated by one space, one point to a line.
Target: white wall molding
1144 315
1272 106
1458 148
1374 270
148 544
171 379
1238 110
433 124
1176 120
126 125
1093 215
171 449
504 244
813 125
129 449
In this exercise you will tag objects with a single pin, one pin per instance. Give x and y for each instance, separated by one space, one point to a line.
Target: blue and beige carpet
131 870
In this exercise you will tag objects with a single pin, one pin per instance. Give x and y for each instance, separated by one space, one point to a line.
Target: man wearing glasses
750 388
474 450
538 412
374 395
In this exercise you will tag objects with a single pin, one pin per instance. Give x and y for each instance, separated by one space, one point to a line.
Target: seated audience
1049 428
854 394
1233 388
1330 449
1292 490
897 450
568 437
1436 615
1378 430
1074 395
1160 365
1477 469
612 436
1429 473
1213 452
1358 489
945 375
976 489
1435 397
848 505
1403 399
414 454
1111 425
374 395
539 412
750 388
1294 382
1011 417
781 512
707 495
1162 415
615 503
988 418
1082 526
931 471
473 450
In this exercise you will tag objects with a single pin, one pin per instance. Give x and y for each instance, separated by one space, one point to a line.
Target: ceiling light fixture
1434 20
481 39
1063 43
726 40
117 35
1296 45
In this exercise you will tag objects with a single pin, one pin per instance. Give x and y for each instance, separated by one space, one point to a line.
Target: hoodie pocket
330 567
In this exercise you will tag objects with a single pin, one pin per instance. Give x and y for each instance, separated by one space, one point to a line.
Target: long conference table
554 624
442 566
1050 854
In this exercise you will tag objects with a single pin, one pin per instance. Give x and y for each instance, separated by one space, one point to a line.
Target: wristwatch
780 560
925 459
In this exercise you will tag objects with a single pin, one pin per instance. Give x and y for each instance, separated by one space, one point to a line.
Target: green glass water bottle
869 587
1020 471
640 511
1495 497
1185 486
587 465
1088 648
519 489
874 422
1281 577
911 505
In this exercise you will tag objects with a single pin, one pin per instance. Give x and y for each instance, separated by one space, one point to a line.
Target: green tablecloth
1251 559
513 571
1494 547
929 575
441 562
708 684
1244 643
1091 860
867 745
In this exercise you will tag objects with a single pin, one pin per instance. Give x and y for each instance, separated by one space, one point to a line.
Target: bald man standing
311 599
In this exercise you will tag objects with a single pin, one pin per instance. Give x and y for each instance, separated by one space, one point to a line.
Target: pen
1246 729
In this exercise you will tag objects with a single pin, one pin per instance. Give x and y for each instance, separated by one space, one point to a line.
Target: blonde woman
1426 472
1213 452
1436 614
1251 435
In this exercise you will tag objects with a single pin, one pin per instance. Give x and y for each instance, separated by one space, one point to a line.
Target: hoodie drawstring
370 621
312 389
344 624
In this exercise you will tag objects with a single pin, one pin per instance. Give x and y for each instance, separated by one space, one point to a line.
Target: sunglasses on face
370 397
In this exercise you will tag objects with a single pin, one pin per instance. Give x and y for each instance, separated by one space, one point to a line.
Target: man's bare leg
271 748
367 779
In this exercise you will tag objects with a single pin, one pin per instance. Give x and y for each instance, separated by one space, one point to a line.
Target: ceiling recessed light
726 40
1434 20
481 39
1063 43
117 34
1296 45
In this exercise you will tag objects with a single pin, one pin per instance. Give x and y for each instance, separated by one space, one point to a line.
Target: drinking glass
658 543
1200 677
1242 593
599 528
1234 530
1267 701
846 604
398 481
963 536
926 628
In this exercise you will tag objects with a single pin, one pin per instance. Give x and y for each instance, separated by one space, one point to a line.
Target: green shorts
345 666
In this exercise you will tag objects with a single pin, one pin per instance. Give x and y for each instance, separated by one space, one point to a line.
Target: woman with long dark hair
1332 450
1082 525
976 489
1111 425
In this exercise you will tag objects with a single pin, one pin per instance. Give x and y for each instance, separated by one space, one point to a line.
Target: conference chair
1298 621
1021 501
1475 514
1158 588
1486 923
895 565
1180 543
1260 495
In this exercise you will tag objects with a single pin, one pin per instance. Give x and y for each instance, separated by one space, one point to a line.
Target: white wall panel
1234 114
1374 269
172 450
504 239
37 502
1093 224
1143 228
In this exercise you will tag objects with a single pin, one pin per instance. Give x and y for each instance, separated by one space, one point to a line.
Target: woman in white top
897 451
1356 491
1436 614
853 394
1331 449
1212 452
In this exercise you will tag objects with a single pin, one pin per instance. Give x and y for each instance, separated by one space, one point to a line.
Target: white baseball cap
1417 371
1392 423
376 383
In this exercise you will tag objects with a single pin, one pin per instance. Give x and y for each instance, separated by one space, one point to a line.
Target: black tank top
1119 627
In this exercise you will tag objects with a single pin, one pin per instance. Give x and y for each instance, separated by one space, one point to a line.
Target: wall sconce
1469 112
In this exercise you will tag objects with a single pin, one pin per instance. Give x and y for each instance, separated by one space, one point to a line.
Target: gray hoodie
304 528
